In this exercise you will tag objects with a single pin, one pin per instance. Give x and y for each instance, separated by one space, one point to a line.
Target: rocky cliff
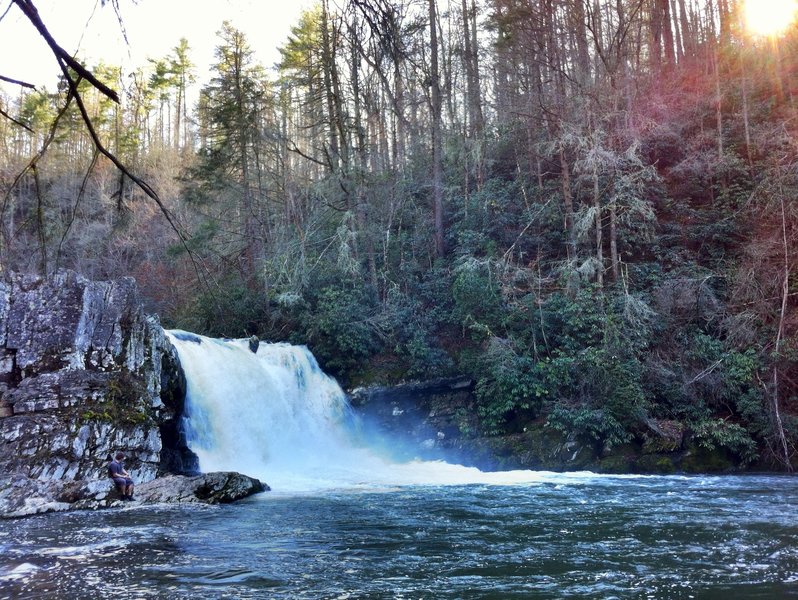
83 373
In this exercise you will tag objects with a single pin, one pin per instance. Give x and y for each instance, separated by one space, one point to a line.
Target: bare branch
13 120
27 7
17 82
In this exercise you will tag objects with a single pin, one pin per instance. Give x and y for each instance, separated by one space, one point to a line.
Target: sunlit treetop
769 17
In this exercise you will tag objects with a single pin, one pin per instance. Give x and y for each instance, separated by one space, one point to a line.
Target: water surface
564 536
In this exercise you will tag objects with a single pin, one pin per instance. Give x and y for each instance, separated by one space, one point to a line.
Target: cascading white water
275 415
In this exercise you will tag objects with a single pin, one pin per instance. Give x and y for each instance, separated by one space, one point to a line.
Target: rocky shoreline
24 496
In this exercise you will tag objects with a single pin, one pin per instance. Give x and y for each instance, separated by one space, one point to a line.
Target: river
561 536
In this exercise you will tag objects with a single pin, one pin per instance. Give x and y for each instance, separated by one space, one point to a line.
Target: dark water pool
568 537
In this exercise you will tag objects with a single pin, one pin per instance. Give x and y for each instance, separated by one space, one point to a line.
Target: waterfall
273 414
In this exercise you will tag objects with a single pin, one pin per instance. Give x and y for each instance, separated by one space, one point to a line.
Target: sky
153 28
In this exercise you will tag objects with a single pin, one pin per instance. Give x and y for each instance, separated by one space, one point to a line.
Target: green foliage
124 402
338 328
508 382
593 423
713 434
231 310
426 359
573 323
476 298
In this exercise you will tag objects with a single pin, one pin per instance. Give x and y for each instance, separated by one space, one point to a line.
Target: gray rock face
80 378
23 496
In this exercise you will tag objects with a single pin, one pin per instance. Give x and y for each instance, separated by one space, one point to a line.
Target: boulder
209 488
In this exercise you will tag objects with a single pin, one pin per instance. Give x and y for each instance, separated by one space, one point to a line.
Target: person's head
120 456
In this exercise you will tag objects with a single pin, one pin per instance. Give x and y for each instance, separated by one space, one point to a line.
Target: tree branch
27 7
24 84
13 120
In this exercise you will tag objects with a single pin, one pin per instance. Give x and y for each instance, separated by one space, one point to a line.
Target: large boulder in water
210 488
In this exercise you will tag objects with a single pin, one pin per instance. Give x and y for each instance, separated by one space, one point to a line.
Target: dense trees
585 204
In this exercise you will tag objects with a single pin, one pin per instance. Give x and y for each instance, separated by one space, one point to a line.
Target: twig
24 84
13 120
704 373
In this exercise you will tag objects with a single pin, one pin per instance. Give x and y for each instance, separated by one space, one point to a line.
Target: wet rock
210 488
22 496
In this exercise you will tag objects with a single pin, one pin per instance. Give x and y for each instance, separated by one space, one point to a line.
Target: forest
587 206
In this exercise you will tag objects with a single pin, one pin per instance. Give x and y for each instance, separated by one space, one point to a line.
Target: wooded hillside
587 205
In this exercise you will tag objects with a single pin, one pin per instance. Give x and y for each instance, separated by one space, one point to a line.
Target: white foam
19 572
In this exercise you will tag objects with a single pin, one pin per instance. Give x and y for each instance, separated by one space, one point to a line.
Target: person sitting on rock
122 480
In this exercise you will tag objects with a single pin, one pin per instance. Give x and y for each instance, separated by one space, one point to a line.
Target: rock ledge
22 496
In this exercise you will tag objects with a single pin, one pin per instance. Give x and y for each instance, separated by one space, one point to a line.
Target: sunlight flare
769 17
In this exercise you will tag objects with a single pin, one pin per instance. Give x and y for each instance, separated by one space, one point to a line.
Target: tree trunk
616 270
687 37
667 32
568 203
718 106
580 30
597 208
437 142
785 294
330 96
361 202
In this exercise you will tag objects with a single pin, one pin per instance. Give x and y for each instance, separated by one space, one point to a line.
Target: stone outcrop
210 488
439 419
22 496
84 372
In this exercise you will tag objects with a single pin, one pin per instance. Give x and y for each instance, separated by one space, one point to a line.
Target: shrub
509 382
715 434
337 328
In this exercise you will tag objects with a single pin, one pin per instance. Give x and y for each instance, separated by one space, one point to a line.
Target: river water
561 536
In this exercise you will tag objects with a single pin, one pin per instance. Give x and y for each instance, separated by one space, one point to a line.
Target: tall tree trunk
399 114
472 77
677 33
718 105
361 201
667 32
746 125
437 142
597 208
656 36
251 237
477 97
568 203
580 30
614 259
328 66
687 36
785 294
